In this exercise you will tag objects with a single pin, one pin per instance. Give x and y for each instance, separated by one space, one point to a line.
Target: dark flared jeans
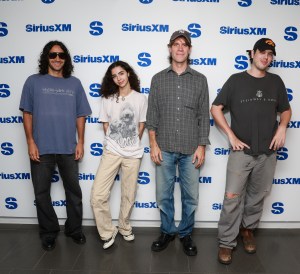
42 173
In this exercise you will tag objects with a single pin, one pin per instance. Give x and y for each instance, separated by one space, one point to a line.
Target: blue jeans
189 186
42 173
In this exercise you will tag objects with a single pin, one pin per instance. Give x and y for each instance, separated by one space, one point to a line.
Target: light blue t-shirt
55 104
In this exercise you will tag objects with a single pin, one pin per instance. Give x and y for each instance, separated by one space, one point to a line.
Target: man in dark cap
178 125
253 99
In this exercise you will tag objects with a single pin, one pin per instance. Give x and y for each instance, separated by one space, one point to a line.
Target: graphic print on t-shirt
124 130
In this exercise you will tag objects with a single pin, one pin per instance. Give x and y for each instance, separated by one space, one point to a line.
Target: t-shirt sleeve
83 106
26 103
223 96
283 102
144 107
103 115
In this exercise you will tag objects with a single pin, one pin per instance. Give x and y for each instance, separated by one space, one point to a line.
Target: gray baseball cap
179 33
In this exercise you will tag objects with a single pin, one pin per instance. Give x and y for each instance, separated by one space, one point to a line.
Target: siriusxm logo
48 28
241 62
195 30
96 28
294 124
211 122
245 3
91 120
56 203
242 31
145 28
145 205
204 62
3 29
96 59
289 94
217 206
278 208
146 149
4 91
146 1
95 90
285 2
55 177
285 64
144 58
145 90
11 203
291 33
11 120
282 154
48 1
222 151
96 149
12 60
287 181
202 180
86 177
7 149
15 176
143 178
198 1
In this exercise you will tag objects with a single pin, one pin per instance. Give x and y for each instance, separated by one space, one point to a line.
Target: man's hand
199 156
156 155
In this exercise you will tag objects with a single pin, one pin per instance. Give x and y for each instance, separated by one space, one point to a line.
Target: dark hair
249 54
171 44
44 59
108 86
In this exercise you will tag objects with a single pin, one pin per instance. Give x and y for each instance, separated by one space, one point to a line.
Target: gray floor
21 252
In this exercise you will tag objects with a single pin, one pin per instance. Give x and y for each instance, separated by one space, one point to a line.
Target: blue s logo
291 33
143 178
144 58
55 177
3 29
277 208
4 91
146 1
11 203
245 3
95 90
96 149
282 154
289 94
195 30
241 62
96 28
7 149
48 1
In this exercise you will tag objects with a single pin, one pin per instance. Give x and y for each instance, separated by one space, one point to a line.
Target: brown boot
248 240
225 255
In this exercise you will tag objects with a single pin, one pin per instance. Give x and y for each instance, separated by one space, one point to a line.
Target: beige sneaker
128 238
109 242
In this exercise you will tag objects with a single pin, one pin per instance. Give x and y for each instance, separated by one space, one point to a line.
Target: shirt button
178 86
178 98
177 108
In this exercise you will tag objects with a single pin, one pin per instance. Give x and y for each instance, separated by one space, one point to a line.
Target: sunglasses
61 55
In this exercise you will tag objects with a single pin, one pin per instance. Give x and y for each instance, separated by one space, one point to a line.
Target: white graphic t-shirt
124 116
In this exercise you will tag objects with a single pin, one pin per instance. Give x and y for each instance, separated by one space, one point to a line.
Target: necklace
123 98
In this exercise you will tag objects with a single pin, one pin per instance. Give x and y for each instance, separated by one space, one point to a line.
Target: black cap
179 33
264 44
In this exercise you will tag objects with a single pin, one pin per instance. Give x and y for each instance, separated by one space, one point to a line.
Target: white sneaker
128 237
108 243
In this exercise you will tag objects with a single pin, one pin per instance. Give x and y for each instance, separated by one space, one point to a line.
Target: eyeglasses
61 55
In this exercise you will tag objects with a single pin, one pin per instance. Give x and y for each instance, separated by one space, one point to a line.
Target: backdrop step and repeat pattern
98 33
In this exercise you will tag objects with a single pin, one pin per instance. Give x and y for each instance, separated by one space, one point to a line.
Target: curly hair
44 59
108 86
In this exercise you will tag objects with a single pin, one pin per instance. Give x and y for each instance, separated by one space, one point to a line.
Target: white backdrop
99 32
